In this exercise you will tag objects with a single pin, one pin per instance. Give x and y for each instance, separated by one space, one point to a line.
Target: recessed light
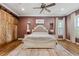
22 9
62 9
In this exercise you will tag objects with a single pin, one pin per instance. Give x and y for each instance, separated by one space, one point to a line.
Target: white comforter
39 40
40 36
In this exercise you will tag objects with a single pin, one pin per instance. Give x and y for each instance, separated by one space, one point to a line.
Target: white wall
68 25
64 36
56 28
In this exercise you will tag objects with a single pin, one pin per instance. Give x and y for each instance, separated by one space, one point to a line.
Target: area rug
57 51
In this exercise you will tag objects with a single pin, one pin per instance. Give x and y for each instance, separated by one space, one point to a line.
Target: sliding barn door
8 27
15 32
2 27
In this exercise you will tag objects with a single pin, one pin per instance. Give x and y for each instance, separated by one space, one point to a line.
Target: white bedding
39 40
41 36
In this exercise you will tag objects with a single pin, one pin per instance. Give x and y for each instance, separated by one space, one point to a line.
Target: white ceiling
60 9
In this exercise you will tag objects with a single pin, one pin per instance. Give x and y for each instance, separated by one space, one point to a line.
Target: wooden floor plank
72 47
5 49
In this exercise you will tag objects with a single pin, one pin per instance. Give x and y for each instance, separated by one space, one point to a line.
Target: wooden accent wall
8 27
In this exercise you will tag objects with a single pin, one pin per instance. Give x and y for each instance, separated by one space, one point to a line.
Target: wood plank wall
8 27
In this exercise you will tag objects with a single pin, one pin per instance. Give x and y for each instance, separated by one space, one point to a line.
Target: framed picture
40 21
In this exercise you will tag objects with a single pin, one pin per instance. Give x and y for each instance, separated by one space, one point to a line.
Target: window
77 27
77 22
60 27
40 21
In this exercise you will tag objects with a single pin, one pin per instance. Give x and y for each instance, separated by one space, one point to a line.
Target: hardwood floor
72 47
5 49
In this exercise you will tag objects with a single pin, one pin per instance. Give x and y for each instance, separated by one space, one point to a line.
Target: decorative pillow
40 28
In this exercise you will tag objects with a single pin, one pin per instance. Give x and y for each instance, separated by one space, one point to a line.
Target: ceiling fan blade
42 3
52 4
41 10
47 10
37 8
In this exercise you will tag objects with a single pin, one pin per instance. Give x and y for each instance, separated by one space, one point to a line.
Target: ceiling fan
44 7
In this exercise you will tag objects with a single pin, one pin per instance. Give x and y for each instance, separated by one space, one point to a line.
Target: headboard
40 28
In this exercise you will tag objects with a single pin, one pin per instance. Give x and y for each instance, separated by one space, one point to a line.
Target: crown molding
3 7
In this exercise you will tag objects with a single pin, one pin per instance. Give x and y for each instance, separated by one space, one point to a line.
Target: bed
39 40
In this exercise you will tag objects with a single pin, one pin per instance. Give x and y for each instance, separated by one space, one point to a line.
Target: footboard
35 44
